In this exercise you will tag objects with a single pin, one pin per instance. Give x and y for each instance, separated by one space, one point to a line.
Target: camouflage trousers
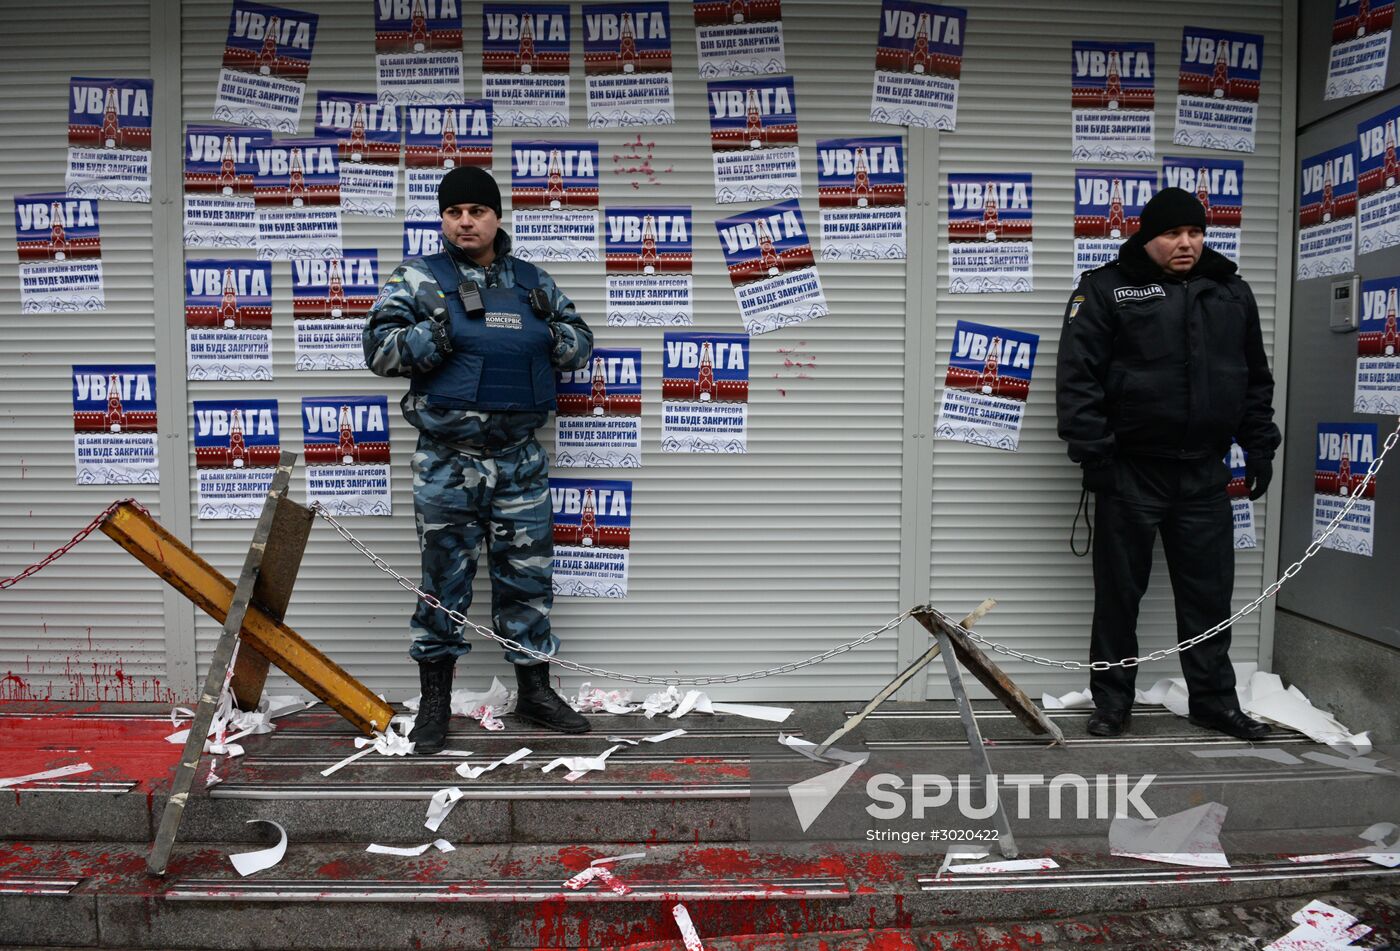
459 500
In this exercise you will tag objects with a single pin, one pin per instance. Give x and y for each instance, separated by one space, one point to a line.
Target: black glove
442 337
1099 475
1258 473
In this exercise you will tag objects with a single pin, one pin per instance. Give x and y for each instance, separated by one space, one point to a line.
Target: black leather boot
429 733
538 703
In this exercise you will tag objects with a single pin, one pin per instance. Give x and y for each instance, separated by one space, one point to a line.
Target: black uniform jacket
1153 365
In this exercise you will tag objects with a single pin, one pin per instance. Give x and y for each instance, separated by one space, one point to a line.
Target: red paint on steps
119 749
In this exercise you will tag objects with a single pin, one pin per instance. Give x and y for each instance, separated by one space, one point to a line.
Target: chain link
62 550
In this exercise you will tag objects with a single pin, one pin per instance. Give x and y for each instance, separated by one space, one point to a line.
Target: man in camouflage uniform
481 335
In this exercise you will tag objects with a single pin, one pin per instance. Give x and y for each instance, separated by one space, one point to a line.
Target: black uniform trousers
1185 501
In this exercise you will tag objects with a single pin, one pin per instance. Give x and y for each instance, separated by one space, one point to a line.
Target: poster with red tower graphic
1378 183
228 320
369 138
60 254
648 252
753 138
705 392
600 413
918 64
739 37
1217 103
1378 348
1113 92
267 56
1218 184
592 537
1360 49
237 444
769 255
989 233
330 299
1241 508
554 200
1107 208
860 188
219 173
1345 453
418 51
296 191
346 439
109 138
114 424
1327 213
525 63
985 389
627 64
440 137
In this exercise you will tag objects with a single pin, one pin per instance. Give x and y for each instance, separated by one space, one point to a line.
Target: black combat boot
429 733
538 703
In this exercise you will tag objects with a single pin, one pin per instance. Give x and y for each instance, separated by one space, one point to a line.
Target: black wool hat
469 185
1170 208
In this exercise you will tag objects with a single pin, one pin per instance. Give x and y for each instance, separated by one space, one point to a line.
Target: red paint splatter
119 749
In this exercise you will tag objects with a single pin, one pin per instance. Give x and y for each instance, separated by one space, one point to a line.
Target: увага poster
421 238
1218 184
60 254
989 233
368 141
1217 103
330 298
860 188
440 138
109 139
1107 208
554 201
347 453
418 51
1327 213
600 413
296 192
219 173
739 37
1113 92
1345 452
648 252
237 444
753 137
525 63
627 64
267 56
1378 349
705 392
1241 508
228 320
114 425
918 64
985 390
769 255
1360 48
1378 183
592 537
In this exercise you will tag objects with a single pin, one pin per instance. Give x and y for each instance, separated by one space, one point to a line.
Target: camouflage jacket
398 341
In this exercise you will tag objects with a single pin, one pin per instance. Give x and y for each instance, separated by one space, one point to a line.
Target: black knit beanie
469 185
1170 208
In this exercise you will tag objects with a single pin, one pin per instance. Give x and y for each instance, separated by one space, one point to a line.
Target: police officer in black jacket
1161 362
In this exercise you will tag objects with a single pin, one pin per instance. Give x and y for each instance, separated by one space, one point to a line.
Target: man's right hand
442 337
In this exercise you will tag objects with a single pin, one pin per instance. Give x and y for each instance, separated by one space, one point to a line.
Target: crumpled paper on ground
1321 927
1379 852
578 766
484 706
249 862
1267 699
472 772
592 699
1190 837
1074 700
387 743
230 725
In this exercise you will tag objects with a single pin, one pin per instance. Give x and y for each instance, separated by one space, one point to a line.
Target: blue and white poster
600 412
525 63
330 299
860 188
768 252
1241 508
1113 92
114 424
648 255
986 386
705 392
369 139
627 64
1327 213
296 190
441 136
554 200
346 441
1217 103
1345 453
1107 211
1360 48
109 138
1218 184
1378 349
421 238
267 56
219 173
753 138
418 51
592 537
918 64
739 37
237 445
989 233
228 319
59 247
1378 183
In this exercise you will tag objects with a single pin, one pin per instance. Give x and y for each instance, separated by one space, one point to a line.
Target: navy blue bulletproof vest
500 360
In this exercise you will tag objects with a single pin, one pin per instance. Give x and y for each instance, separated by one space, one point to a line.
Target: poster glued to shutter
59 246
592 537
1345 452
267 56
368 140
705 392
599 420
987 385
346 442
219 174
330 300
525 64
228 319
237 445
648 255
115 438
418 51
109 138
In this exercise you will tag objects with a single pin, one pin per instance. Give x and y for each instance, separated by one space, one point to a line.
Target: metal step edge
469 890
1040 742
232 790
37 886
1167 875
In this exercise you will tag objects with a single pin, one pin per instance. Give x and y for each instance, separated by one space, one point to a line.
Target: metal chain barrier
65 548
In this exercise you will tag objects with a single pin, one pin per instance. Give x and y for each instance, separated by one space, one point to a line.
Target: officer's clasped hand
442 337
1099 475
1258 473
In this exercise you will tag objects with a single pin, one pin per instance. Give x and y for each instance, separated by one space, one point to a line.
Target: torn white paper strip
753 711
1282 757
442 845
246 863
1267 699
832 754
441 804
1074 700
662 737
952 857
578 766
1011 865
472 772
689 936
612 859
1190 837
1320 927
1360 764
623 739
56 773
695 700
582 878
1380 851
615 884
346 762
